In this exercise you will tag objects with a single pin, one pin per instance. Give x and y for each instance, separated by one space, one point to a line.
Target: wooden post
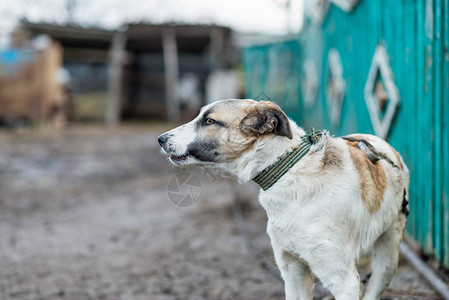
217 49
171 74
113 105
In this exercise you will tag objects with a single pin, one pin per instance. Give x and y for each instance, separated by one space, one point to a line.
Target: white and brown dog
341 198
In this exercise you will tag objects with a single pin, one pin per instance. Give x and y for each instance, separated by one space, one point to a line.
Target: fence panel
384 63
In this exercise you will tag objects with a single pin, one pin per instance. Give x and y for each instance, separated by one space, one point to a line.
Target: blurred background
90 209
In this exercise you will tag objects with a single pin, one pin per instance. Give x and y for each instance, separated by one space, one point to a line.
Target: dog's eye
209 121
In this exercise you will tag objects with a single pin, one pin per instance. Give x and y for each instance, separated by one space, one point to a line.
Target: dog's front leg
298 279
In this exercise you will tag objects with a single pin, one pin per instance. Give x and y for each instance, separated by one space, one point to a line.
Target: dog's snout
162 139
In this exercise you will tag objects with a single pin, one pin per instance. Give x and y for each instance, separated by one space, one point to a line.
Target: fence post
113 105
171 74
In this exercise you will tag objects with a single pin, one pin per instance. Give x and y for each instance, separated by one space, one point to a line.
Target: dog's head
224 131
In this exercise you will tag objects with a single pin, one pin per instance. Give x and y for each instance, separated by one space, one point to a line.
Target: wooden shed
29 90
379 67
86 56
159 55
134 72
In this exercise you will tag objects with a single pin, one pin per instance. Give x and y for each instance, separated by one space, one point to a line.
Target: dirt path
85 215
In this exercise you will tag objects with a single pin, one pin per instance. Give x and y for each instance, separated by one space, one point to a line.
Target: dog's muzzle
163 142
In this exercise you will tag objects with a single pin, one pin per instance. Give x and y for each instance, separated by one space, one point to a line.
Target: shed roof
72 35
136 33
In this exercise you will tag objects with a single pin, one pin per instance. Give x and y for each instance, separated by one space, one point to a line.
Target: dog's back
385 168
384 183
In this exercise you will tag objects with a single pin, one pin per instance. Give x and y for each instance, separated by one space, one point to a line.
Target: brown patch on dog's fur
245 125
332 157
232 142
234 150
398 156
266 117
243 122
373 180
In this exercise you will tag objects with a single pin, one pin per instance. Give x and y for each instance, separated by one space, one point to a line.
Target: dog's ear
266 117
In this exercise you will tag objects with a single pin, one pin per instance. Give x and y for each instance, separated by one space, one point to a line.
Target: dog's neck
265 153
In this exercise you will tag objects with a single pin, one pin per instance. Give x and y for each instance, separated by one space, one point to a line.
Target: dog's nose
162 139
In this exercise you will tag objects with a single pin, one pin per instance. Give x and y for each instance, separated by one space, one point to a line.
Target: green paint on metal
445 133
415 35
438 142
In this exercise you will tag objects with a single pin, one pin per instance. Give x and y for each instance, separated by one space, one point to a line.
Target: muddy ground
86 214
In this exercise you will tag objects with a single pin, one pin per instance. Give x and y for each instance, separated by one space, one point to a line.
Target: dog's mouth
179 158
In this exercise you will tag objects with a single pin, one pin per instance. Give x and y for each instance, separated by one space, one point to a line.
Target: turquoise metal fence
274 72
382 68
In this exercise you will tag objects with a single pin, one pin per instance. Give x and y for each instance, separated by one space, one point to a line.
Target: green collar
271 174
